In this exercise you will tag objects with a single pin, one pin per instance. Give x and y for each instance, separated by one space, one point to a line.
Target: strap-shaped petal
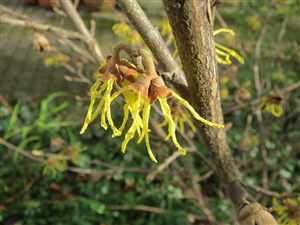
224 30
145 130
187 105
230 52
94 93
135 123
171 124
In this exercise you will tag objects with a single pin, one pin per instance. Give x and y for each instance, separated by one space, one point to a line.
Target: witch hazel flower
137 83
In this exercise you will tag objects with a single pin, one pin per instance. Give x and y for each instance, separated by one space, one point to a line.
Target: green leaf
12 121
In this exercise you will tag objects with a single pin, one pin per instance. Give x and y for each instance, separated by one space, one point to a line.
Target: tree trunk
193 31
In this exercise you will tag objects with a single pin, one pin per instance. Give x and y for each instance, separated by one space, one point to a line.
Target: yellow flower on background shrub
224 54
272 104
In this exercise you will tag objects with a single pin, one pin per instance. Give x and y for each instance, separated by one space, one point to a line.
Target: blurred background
50 174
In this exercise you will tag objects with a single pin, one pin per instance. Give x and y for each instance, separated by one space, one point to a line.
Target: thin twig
144 208
14 13
200 200
5 19
264 191
284 91
86 55
283 28
257 111
290 88
80 77
191 148
20 151
191 182
87 171
98 173
220 19
81 27
151 176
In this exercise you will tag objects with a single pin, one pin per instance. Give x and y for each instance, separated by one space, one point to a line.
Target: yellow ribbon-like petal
125 117
230 52
145 130
187 105
90 116
224 30
135 123
103 113
226 57
171 124
106 111
183 119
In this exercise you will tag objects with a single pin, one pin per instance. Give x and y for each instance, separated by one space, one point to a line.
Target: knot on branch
255 214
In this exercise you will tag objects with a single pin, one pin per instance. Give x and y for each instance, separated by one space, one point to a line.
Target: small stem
81 27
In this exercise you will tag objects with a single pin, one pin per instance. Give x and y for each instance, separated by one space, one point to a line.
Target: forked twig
81 27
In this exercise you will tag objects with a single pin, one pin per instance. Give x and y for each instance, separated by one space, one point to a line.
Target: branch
264 191
256 101
191 148
154 41
151 176
192 30
23 21
81 27
88 171
143 208
7 10
22 152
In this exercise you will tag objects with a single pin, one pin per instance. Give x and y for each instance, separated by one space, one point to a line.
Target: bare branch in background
81 27
258 112
65 37
256 101
151 176
20 151
8 16
143 208
264 191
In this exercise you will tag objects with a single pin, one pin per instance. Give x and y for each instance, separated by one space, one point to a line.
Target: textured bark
192 27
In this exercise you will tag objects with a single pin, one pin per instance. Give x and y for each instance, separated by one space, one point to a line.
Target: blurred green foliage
81 189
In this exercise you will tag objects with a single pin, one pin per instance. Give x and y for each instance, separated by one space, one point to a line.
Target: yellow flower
103 106
182 118
125 32
139 89
288 211
254 22
225 54
273 105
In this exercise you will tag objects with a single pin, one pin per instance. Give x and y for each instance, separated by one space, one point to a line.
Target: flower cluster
272 104
138 84
224 55
287 210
